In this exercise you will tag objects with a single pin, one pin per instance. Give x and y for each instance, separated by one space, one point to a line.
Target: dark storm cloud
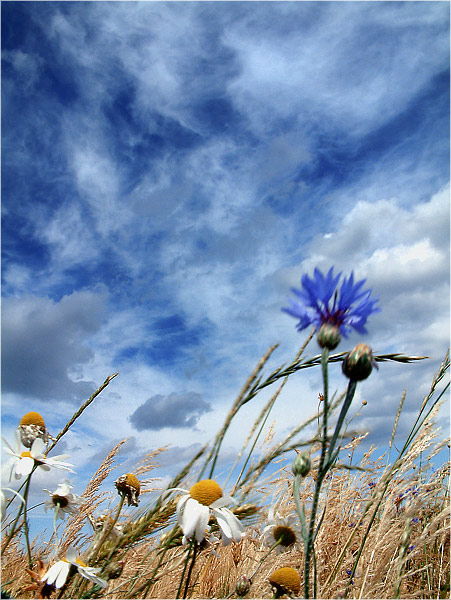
45 342
176 410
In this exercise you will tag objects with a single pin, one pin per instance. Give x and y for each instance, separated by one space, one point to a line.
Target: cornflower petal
350 308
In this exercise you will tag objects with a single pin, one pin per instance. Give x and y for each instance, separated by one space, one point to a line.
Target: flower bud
243 585
358 363
329 336
301 464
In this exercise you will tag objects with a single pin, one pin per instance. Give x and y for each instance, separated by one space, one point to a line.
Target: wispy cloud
170 170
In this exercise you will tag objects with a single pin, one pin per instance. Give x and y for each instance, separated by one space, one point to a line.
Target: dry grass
388 521
417 498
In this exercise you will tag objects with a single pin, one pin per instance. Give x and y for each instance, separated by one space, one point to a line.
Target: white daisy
62 500
58 573
25 461
281 528
195 507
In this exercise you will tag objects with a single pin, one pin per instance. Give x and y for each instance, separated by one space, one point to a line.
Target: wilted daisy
195 507
320 303
32 426
59 572
25 461
102 523
129 486
281 529
285 581
62 500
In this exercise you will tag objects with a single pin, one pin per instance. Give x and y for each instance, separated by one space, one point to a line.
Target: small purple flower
415 520
320 302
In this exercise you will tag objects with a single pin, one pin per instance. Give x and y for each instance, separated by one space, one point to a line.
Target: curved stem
260 562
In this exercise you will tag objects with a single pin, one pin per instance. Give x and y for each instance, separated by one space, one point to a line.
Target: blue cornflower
321 303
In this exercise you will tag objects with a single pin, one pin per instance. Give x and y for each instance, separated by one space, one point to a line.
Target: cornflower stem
25 522
320 476
300 508
352 385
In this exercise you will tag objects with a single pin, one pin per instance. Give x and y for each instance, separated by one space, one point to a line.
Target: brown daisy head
285 581
32 426
129 486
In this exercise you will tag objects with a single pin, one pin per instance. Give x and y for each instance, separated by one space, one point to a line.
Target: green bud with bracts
329 336
301 464
359 363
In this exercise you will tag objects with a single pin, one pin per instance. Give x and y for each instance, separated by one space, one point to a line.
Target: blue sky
169 172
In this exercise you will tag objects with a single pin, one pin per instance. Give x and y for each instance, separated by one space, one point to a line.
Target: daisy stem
55 517
320 475
21 508
261 561
108 530
184 569
190 570
25 522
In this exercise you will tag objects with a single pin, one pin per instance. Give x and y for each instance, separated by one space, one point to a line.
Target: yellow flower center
286 579
27 454
285 534
80 562
32 418
206 492
132 481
